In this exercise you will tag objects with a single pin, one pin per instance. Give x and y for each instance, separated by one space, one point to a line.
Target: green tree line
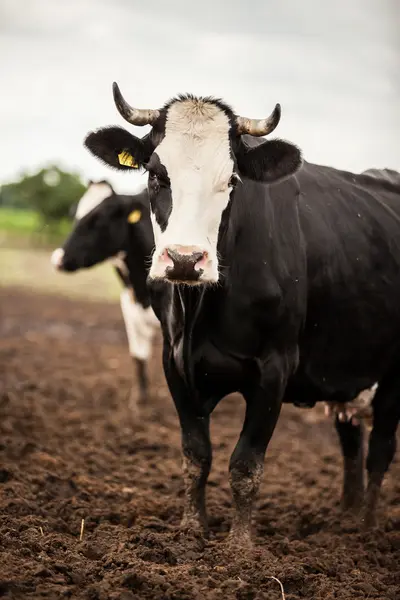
51 192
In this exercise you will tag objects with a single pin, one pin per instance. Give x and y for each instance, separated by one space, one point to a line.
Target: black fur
105 231
307 302
270 161
100 235
159 191
108 142
306 310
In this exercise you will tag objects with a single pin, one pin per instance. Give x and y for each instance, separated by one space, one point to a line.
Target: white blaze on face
141 325
95 194
196 154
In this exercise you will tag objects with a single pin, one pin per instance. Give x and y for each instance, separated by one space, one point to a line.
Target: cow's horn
135 116
258 127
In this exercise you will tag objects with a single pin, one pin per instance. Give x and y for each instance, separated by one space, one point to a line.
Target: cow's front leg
263 405
196 448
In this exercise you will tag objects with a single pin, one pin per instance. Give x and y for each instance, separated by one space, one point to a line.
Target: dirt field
70 450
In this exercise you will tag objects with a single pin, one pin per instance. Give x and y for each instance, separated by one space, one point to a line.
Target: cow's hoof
369 520
191 525
352 504
239 540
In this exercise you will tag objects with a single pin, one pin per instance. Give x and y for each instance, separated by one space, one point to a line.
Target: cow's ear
118 148
269 161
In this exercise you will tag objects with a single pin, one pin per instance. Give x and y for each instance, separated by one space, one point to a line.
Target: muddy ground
70 449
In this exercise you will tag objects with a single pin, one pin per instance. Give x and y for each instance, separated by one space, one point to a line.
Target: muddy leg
196 448
351 441
247 461
382 442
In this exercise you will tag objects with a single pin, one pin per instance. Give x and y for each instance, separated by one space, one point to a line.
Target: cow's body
276 291
337 262
308 251
117 228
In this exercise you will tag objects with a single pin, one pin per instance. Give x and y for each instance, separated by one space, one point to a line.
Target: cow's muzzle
57 259
182 264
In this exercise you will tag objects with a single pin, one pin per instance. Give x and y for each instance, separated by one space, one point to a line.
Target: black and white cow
272 277
116 227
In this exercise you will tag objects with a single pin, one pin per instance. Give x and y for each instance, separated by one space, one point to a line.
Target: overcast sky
334 67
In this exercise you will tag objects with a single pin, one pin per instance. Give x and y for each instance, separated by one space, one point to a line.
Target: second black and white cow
274 277
114 227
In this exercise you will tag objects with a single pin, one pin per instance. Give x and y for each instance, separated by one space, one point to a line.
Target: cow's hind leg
143 381
139 390
196 448
382 441
351 441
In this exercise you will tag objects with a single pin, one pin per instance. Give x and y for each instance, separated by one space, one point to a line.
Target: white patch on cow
140 323
56 258
94 195
196 153
119 261
156 229
358 408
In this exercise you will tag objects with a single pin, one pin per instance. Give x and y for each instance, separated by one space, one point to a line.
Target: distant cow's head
195 155
101 229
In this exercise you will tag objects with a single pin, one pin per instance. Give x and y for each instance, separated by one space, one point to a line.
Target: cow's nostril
190 259
57 258
165 256
197 256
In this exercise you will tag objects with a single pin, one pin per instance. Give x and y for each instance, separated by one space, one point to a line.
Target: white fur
196 153
140 323
57 258
119 261
94 195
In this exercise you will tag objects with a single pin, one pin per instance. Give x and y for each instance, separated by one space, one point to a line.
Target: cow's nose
185 262
57 258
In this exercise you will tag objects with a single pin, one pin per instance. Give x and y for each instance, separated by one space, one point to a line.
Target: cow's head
195 155
101 228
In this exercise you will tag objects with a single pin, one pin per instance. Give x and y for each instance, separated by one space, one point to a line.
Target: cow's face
191 177
194 156
100 230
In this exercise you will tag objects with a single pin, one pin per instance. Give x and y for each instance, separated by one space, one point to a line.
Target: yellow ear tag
135 216
127 160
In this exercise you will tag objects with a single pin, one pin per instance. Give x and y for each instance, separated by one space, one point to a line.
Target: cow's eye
233 180
152 175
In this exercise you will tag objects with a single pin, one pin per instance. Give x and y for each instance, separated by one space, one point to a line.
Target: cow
271 276
118 228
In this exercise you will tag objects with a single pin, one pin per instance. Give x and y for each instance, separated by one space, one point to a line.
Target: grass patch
31 268
22 221
25 228
25 249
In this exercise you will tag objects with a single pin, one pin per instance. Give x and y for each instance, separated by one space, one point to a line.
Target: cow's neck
137 261
132 274
121 268
260 272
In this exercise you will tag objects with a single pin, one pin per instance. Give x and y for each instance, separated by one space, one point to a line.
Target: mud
72 455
